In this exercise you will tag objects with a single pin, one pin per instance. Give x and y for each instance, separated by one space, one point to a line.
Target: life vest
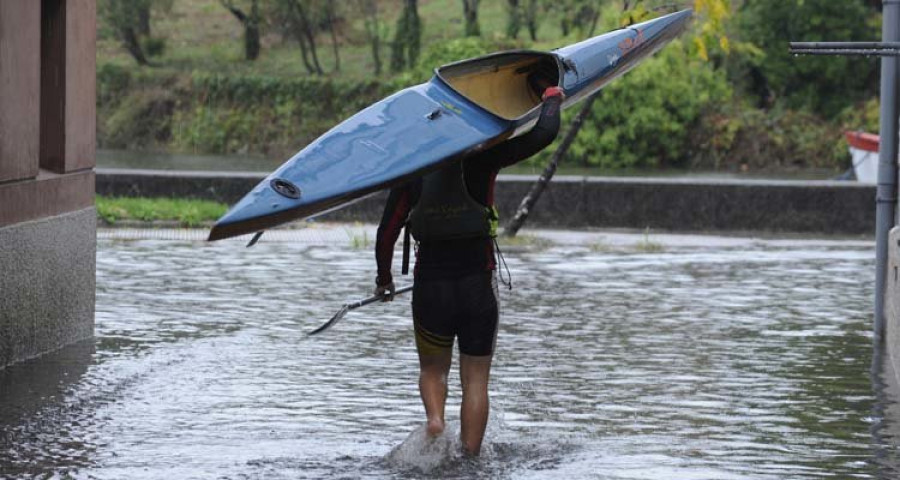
446 211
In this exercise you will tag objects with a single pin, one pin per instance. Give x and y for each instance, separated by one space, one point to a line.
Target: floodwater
630 358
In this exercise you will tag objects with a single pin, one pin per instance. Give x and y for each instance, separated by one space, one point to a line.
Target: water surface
741 360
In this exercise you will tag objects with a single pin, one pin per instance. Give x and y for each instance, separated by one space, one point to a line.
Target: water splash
427 454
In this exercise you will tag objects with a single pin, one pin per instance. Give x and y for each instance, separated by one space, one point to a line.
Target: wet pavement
620 356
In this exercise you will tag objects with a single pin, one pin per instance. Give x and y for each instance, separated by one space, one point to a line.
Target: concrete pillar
47 215
20 73
68 92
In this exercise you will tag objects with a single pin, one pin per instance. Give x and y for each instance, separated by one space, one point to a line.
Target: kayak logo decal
453 108
373 146
630 44
285 188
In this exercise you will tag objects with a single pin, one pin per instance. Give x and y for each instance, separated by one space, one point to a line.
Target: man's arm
396 210
520 148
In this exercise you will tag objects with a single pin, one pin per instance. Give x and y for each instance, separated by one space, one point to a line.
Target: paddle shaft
376 298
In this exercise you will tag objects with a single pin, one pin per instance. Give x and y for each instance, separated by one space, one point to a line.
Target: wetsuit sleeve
396 210
520 148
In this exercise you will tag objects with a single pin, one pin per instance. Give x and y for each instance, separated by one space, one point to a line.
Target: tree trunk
251 33
407 38
594 23
133 45
144 19
251 41
512 228
329 10
251 28
514 20
370 7
310 36
414 34
470 12
301 40
398 59
531 19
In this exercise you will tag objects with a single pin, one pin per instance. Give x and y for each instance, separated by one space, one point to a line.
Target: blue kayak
466 107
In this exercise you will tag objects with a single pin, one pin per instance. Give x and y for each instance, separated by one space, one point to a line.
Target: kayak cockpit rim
506 84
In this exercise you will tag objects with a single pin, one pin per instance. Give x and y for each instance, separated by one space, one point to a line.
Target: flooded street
618 358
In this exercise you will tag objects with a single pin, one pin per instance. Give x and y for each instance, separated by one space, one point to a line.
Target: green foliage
129 21
141 120
270 115
739 137
645 118
864 116
825 84
710 34
646 245
154 46
580 16
752 106
112 81
359 239
188 213
442 53
214 130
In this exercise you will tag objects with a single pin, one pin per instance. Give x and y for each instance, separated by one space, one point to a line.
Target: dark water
718 362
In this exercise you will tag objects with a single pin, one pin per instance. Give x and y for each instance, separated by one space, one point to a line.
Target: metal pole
886 198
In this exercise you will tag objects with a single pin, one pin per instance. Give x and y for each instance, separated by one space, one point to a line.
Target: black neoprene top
459 257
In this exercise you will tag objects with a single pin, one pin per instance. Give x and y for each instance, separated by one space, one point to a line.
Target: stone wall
820 207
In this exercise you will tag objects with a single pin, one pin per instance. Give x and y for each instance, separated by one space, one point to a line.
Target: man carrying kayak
452 217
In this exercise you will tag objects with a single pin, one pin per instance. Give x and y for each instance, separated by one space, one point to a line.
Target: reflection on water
715 362
184 161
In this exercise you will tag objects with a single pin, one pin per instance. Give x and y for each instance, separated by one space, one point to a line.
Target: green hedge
674 111
222 114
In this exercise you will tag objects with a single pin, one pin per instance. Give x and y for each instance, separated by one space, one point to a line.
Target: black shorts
465 307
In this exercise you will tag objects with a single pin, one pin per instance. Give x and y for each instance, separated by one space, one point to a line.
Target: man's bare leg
474 374
433 370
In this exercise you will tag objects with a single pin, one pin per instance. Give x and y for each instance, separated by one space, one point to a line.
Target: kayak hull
466 107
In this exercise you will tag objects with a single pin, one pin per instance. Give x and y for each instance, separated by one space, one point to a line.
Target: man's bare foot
435 427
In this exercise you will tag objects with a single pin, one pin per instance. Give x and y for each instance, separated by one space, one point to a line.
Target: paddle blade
336 318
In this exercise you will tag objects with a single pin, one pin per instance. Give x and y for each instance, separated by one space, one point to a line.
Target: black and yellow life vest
446 210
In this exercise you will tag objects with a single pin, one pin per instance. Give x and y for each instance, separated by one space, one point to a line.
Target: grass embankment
188 213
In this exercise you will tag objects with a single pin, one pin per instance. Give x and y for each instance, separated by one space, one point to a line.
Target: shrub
825 85
112 81
142 119
644 119
743 137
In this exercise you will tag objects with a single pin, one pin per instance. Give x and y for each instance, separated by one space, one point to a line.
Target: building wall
47 152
